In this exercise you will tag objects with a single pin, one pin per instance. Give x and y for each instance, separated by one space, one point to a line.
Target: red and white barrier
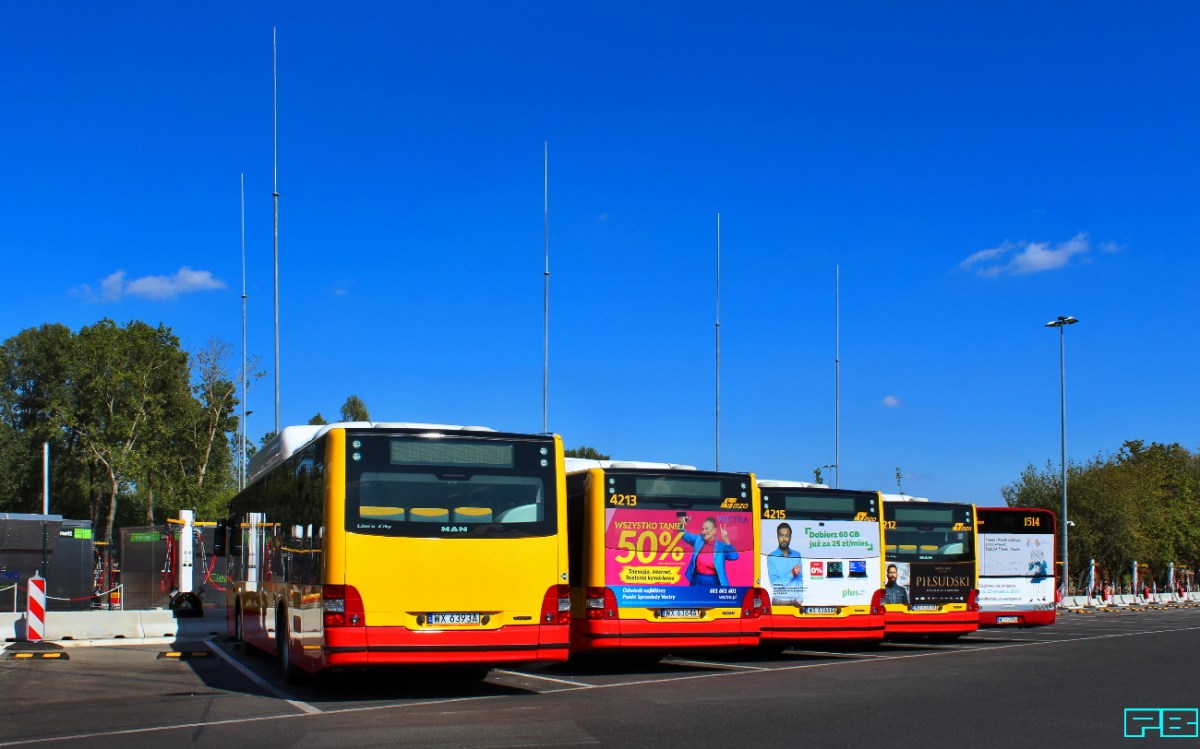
35 611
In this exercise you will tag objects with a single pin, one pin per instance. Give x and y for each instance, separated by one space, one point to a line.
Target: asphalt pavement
1066 685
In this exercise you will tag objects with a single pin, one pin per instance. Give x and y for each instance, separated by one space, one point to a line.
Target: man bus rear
663 558
821 563
930 571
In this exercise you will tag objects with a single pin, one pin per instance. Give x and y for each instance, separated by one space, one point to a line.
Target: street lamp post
1061 322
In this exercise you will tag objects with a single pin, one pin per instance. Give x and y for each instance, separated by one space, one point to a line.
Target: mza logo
1163 722
865 516
731 503
454 529
961 527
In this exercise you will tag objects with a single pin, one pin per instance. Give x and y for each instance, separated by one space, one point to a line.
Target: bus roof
290 439
781 484
904 498
582 464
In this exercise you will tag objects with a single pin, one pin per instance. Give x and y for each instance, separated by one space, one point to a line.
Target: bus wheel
287 669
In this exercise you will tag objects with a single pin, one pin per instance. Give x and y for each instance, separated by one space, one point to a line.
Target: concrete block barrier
96 625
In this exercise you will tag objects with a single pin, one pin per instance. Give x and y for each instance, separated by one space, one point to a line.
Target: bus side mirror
221 538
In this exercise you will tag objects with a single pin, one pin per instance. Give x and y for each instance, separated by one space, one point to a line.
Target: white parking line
539 677
258 680
707 664
837 654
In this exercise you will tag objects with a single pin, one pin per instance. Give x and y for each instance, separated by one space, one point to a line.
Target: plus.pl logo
1162 722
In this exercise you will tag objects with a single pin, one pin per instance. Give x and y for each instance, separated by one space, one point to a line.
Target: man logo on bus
454 529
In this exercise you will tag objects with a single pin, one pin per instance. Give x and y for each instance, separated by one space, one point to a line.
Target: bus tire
288 670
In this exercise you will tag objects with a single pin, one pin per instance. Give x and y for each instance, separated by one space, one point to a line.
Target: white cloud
185 281
1021 258
891 401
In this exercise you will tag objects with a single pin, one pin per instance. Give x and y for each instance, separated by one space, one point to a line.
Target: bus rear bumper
365 646
949 624
636 634
1016 618
783 627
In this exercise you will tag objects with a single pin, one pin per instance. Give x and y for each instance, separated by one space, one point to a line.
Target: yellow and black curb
26 655
34 651
183 655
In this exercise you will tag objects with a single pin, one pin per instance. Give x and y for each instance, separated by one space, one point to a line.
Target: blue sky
974 171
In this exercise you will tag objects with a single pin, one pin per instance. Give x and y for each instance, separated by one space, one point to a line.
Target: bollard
35 611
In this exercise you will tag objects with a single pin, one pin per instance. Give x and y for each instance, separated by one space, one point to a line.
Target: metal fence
81 574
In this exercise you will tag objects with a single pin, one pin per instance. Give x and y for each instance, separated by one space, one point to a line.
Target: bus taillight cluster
342 606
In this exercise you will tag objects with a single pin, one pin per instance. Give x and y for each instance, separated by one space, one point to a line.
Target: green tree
584 451
34 387
1142 503
317 419
193 459
355 410
125 382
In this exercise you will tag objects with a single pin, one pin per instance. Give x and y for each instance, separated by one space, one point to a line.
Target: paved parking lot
1074 679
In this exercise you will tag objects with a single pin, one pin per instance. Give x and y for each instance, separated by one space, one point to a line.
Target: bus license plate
923 607
1008 620
681 613
437 620
820 609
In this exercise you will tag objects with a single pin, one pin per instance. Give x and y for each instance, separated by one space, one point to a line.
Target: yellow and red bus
1016 566
664 558
930 568
822 563
365 544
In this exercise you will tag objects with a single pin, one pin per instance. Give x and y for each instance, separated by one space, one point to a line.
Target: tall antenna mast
275 196
837 376
718 332
546 306
242 451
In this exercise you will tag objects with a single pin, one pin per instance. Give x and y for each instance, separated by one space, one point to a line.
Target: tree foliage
355 410
137 431
1143 503
583 451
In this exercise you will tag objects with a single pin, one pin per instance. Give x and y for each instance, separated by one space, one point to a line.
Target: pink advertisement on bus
672 559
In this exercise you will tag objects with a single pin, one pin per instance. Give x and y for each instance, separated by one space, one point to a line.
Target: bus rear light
556 605
877 607
342 606
755 604
600 603
973 600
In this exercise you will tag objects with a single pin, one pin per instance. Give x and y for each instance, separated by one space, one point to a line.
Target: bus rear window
424 504
430 488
